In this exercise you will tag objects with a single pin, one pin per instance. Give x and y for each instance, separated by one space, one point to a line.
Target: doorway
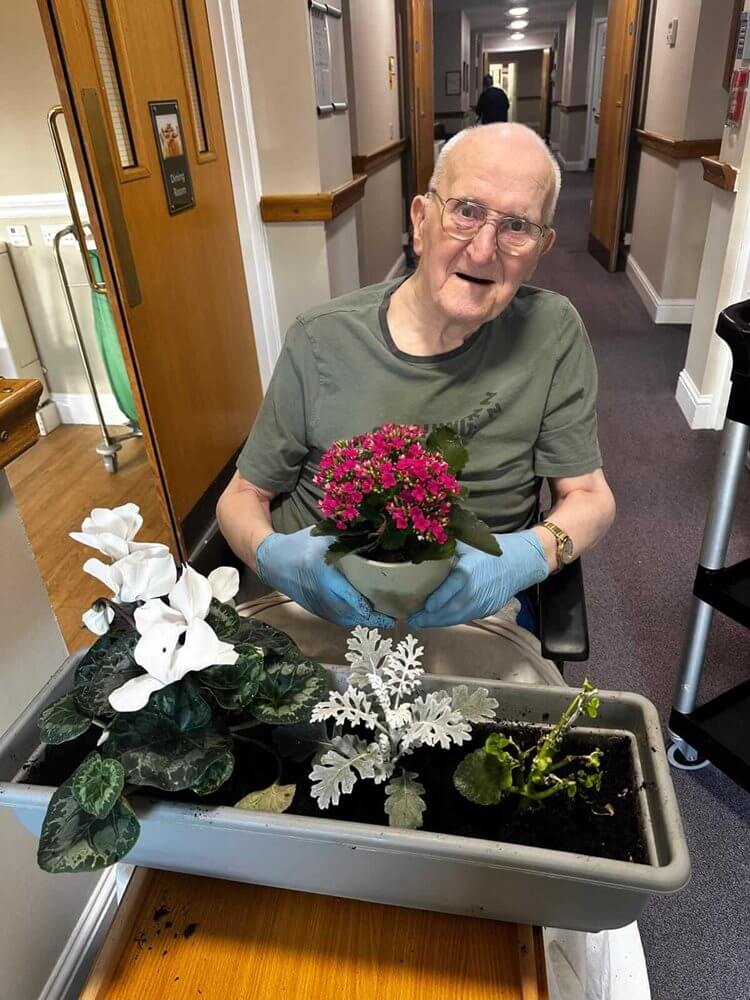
596 77
161 214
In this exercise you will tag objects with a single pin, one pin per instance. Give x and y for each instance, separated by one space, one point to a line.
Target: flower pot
396 589
414 868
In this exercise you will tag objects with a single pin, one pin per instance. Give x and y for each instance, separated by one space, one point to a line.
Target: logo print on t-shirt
487 408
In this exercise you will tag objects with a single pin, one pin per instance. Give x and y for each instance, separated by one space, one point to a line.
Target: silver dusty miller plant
381 697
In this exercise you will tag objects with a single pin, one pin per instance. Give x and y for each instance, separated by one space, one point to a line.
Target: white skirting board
698 409
580 166
660 310
78 408
72 967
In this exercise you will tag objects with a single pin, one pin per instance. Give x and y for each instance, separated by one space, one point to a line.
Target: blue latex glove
480 584
295 565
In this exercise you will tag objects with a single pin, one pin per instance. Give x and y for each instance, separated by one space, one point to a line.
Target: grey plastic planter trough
403 867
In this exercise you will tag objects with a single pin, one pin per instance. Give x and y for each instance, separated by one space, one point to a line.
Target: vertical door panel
623 33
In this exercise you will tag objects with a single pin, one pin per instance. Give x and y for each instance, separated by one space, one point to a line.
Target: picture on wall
452 83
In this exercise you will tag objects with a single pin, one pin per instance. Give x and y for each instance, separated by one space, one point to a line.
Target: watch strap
561 538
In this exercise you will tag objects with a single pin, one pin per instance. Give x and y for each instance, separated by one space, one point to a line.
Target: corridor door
421 93
615 117
138 86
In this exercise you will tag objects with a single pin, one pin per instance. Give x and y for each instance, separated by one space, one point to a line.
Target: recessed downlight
517 25
518 11
517 36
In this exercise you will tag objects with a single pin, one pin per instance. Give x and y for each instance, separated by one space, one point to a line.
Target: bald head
503 143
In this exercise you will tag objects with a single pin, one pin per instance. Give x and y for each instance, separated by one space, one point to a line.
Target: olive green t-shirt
521 391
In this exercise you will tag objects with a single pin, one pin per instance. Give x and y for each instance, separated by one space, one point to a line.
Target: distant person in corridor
465 340
493 103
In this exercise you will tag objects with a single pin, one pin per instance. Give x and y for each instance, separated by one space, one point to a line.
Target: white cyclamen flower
96 620
112 531
175 638
146 573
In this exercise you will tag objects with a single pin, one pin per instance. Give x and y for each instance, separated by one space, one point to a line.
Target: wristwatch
564 544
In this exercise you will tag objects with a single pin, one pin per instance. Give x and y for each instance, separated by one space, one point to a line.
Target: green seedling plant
501 768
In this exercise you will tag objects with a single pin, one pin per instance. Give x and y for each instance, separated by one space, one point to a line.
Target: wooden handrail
18 426
321 206
366 163
677 149
719 173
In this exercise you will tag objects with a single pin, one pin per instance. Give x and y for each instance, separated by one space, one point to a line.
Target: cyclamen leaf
276 799
63 720
435 722
223 619
215 775
72 840
352 706
475 706
231 676
98 784
336 773
289 691
254 632
482 778
105 667
404 803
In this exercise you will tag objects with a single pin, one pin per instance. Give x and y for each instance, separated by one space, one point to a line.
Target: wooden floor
56 484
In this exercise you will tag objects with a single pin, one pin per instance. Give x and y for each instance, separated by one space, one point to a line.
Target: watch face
567 550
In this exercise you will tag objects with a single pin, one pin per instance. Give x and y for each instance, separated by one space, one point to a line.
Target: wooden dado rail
18 427
370 162
322 206
719 173
569 108
677 149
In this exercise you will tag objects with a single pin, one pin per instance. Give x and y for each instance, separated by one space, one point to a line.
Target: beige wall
299 152
673 202
574 86
40 910
374 123
452 44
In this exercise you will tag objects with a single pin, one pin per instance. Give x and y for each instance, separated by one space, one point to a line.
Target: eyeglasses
462 220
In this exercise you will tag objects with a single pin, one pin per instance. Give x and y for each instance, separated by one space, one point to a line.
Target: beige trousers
494 648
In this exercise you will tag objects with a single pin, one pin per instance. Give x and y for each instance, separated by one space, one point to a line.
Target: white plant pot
396 589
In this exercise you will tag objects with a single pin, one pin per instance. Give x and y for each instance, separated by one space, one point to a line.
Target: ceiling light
517 36
518 24
518 11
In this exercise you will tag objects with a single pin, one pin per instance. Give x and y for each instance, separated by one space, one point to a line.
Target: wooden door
421 92
615 117
174 272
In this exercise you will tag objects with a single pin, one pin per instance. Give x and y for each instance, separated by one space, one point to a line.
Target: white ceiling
492 15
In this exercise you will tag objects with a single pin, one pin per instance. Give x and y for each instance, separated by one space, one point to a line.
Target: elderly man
463 341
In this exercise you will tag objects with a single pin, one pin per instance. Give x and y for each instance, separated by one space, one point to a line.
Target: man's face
473 282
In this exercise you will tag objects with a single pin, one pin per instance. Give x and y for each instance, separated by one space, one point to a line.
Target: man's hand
480 584
295 565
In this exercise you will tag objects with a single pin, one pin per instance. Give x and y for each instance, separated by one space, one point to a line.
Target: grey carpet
638 584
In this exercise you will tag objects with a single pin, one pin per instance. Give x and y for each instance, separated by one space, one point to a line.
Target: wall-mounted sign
327 37
170 143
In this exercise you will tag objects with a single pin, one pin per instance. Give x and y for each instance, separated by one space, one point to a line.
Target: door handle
80 233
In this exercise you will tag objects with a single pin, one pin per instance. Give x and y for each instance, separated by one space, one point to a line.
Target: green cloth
521 390
109 345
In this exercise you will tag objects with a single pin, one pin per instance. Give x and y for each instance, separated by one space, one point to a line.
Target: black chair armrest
563 626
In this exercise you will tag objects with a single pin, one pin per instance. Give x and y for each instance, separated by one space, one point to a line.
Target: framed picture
466 78
453 83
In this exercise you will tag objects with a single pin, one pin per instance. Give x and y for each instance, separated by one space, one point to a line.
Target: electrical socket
18 236
48 235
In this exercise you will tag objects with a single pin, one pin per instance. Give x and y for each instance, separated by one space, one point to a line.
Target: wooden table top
184 936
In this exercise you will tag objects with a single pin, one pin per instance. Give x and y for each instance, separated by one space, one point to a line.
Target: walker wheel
677 759
110 463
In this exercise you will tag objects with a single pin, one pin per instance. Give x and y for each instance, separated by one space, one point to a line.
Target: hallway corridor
638 585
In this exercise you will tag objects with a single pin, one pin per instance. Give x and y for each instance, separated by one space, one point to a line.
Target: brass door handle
80 233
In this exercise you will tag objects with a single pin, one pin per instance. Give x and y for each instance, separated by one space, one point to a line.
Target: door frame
235 97
595 29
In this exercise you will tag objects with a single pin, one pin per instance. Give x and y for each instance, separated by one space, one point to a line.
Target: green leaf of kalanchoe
98 784
63 720
467 528
289 691
74 840
450 445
